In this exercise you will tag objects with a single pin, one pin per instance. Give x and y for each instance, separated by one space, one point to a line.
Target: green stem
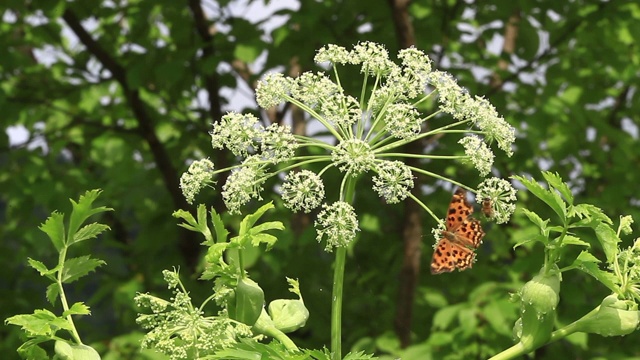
519 350
338 283
510 353
336 303
63 297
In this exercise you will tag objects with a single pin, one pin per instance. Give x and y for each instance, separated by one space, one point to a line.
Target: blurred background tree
120 95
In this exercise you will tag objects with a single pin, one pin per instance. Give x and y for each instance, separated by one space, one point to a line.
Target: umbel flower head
369 129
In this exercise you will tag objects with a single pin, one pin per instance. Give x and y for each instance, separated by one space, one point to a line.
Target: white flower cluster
367 130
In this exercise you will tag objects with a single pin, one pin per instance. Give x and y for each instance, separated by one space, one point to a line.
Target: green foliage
172 324
569 86
43 325
618 313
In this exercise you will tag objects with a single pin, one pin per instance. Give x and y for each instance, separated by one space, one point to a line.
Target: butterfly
462 236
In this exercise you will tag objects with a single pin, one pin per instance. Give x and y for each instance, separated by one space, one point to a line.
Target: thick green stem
338 283
519 350
336 303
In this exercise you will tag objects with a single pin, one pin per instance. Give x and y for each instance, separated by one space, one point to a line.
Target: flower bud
288 315
614 317
66 351
539 299
247 303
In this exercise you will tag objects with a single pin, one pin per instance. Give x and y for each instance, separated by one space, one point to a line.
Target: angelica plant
44 325
368 131
617 314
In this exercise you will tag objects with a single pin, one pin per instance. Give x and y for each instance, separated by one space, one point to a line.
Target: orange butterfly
463 235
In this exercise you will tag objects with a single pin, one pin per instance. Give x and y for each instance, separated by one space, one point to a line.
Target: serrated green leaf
572 240
82 210
358 355
551 198
218 225
77 309
204 225
40 267
192 224
247 223
590 216
78 267
268 239
30 349
41 323
538 238
555 181
54 228
294 287
586 256
535 219
608 240
236 354
53 291
588 264
88 232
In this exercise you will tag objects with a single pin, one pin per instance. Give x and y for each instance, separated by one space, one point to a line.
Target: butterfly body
455 250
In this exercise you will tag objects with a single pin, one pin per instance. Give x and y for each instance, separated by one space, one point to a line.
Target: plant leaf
608 240
199 225
218 225
247 223
549 197
572 240
78 267
78 308
88 232
82 210
54 228
53 290
41 268
537 220
41 323
588 263
554 180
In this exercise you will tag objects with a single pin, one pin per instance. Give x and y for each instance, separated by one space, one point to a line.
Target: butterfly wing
459 209
463 234
449 256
